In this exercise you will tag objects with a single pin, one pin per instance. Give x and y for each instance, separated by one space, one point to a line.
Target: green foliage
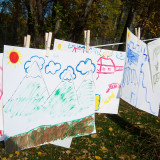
67 19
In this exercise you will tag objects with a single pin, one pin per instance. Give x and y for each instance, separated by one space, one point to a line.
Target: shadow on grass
2 144
150 144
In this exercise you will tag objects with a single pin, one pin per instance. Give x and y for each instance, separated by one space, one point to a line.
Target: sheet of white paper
154 54
136 85
45 92
63 143
1 93
109 72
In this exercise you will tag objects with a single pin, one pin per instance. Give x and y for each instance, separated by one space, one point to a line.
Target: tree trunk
35 22
127 25
40 19
80 23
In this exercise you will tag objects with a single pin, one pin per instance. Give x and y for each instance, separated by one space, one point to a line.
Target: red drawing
75 49
107 66
1 93
1 82
113 86
1 133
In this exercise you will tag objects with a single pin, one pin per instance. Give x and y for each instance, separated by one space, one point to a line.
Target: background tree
107 20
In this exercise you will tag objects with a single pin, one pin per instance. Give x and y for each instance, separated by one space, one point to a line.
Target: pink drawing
75 49
107 66
1 133
113 86
1 93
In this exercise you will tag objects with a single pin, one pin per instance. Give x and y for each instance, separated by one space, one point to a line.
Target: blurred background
67 19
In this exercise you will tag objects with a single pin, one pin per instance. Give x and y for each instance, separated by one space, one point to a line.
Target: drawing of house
107 66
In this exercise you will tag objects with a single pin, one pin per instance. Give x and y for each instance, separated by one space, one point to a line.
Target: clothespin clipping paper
87 39
25 40
28 41
139 35
136 32
48 37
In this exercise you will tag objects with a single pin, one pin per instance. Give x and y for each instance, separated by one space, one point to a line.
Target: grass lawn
132 134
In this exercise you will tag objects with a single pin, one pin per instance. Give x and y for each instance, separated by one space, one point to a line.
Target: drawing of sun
14 58
128 35
59 45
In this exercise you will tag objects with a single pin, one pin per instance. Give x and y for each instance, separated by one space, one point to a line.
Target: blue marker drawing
71 46
133 98
132 57
40 61
136 89
132 45
65 76
85 66
130 76
120 55
52 67
141 71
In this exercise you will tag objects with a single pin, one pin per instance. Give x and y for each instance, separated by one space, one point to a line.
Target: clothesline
121 43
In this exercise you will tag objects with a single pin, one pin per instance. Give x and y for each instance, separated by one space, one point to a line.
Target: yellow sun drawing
128 35
14 58
59 46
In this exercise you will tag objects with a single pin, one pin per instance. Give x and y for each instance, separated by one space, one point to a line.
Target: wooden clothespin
27 41
87 39
136 33
139 35
48 38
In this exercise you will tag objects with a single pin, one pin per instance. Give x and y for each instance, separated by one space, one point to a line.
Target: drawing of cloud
52 67
40 61
85 66
68 74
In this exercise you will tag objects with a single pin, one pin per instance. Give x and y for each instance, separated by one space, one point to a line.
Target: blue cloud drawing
52 67
40 61
68 74
85 66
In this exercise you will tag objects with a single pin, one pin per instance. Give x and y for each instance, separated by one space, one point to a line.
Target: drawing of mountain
29 95
61 104
63 100
86 92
